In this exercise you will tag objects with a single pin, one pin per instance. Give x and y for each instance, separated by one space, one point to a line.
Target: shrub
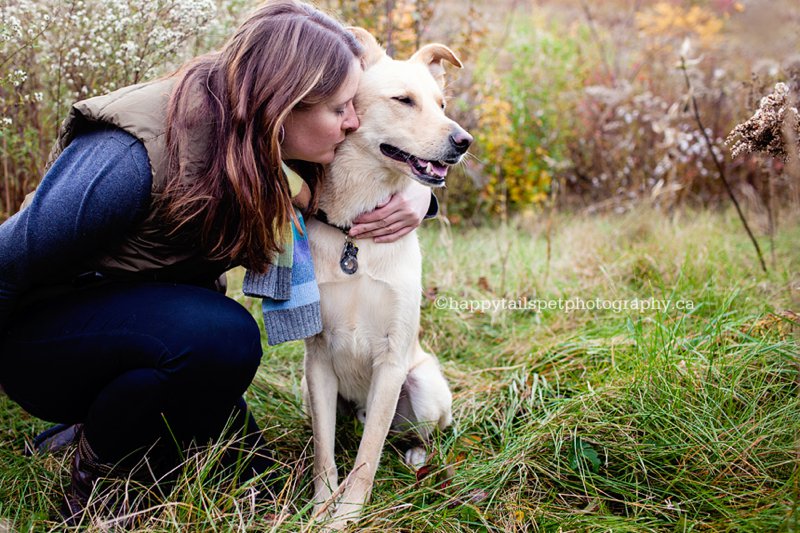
57 52
636 136
397 24
525 85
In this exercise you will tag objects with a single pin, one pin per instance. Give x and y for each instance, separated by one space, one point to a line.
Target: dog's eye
404 100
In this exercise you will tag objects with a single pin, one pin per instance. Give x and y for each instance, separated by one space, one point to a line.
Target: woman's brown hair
236 201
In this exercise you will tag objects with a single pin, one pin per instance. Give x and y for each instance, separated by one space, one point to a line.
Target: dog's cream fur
368 352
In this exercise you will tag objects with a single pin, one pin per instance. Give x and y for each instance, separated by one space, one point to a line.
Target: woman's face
312 134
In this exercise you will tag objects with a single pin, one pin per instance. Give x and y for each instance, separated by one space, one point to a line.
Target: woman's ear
372 50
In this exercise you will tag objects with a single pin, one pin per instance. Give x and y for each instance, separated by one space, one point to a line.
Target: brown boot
87 470
113 490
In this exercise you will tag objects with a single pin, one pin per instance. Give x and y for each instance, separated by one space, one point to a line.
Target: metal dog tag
349 260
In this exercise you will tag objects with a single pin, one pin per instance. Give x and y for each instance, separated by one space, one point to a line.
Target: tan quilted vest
146 252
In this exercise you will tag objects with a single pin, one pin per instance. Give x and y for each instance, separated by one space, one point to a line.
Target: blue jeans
124 357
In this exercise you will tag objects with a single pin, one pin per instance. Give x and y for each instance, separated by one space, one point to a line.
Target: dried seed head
764 131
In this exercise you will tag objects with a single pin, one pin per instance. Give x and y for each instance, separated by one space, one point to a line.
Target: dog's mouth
431 173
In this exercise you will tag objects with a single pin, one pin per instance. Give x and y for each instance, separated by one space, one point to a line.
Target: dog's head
401 108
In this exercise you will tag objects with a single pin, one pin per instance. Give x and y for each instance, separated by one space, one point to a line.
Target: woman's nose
351 123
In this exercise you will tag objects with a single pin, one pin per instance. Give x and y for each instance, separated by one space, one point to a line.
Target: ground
634 372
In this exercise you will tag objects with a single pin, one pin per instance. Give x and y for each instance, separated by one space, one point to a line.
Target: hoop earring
281 134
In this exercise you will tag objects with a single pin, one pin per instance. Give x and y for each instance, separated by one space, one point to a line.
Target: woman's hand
400 214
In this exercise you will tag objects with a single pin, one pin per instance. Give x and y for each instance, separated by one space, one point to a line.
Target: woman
109 315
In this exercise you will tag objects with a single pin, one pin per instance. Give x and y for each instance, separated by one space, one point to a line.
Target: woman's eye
404 100
340 111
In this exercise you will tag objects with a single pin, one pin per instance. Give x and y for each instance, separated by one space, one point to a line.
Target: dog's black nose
460 140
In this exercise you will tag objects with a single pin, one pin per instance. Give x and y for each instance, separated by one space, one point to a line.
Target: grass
656 420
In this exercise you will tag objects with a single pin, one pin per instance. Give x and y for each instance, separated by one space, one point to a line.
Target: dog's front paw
325 500
324 508
416 457
322 511
346 514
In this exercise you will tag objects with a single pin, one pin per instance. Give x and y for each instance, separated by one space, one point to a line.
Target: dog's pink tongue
431 168
438 170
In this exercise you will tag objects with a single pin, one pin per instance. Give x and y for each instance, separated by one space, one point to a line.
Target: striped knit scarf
289 289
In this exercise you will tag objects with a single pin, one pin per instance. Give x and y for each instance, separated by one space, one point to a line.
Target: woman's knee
241 338
222 344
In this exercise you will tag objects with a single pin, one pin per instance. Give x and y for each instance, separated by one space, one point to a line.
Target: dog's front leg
387 380
322 386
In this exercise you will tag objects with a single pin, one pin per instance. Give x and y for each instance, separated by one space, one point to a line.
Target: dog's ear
431 55
372 50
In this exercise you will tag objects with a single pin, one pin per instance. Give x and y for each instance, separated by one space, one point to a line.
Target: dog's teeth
429 167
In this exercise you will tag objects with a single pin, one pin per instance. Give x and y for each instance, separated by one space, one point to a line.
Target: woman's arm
93 193
399 215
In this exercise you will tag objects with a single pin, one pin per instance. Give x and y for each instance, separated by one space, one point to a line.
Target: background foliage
580 102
